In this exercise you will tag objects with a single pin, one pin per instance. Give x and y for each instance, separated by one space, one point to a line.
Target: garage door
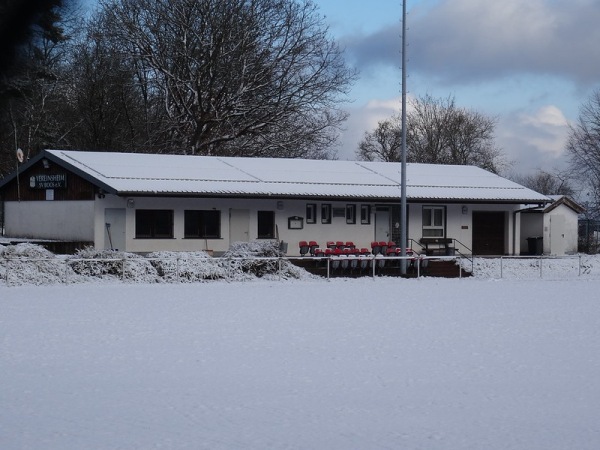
488 232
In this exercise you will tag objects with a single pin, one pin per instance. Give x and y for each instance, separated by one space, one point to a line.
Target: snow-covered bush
186 266
260 259
113 264
32 264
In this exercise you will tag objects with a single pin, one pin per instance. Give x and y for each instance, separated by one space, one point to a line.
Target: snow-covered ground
380 363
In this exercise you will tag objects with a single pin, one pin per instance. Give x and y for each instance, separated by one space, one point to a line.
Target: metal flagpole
403 218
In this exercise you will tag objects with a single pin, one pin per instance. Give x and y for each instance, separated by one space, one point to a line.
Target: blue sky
530 64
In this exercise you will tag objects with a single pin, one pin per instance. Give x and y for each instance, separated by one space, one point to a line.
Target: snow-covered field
378 363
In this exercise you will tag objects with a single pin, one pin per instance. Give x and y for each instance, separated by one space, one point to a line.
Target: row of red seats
348 248
388 248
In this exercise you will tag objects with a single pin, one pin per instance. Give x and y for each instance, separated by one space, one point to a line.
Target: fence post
177 269
328 259
579 265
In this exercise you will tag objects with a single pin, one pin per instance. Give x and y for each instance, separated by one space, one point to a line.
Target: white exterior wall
459 225
560 239
338 230
61 220
85 221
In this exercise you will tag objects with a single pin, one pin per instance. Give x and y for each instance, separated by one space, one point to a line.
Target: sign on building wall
48 181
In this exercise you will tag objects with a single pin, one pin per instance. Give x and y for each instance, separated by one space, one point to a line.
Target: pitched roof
158 174
558 200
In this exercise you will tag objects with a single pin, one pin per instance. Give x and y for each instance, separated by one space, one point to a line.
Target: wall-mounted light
280 205
101 193
465 210
45 163
130 203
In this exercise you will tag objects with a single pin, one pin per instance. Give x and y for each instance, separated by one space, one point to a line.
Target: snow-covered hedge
110 264
260 259
32 264
186 267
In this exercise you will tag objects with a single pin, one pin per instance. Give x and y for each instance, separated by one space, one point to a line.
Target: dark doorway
488 232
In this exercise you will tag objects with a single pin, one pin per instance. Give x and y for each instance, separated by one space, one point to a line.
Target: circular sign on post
20 155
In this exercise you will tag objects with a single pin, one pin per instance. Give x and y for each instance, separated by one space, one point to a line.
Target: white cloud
546 116
365 119
534 140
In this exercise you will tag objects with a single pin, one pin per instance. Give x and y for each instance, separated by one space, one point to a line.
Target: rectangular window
202 224
350 214
266 224
154 223
311 213
365 214
434 221
325 213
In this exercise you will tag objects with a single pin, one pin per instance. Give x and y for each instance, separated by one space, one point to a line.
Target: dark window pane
311 213
154 223
325 213
202 224
266 224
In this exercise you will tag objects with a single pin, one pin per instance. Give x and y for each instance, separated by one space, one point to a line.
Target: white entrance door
239 225
557 235
382 223
114 229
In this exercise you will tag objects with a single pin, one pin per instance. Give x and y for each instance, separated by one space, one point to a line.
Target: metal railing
538 266
23 270
15 271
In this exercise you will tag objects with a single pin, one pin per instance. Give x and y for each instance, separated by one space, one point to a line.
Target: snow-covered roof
158 174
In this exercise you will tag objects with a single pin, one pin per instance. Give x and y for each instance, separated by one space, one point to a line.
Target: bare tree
383 143
33 75
110 108
438 132
583 148
237 77
547 183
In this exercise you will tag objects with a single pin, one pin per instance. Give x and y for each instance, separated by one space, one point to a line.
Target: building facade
144 203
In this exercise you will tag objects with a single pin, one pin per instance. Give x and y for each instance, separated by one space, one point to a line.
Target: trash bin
535 245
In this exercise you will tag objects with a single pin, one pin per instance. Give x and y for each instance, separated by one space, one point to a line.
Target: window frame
365 214
311 213
206 220
350 213
429 230
326 213
148 223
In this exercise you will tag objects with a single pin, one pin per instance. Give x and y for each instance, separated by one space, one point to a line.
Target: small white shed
553 229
